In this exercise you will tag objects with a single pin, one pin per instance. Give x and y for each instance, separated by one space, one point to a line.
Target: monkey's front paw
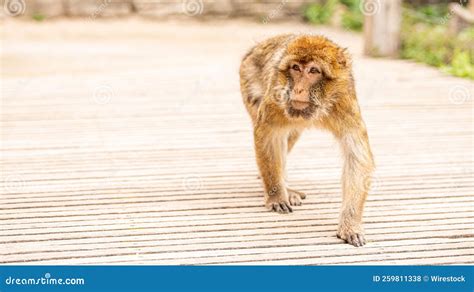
352 237
278 204
295 197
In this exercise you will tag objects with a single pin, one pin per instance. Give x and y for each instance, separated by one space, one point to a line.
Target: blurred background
123 138
436 32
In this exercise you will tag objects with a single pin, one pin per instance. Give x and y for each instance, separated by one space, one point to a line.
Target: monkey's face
311 74
304 88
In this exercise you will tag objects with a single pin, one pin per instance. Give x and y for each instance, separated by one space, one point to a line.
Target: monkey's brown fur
267 91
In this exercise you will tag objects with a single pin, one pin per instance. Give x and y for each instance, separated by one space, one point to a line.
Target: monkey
290 83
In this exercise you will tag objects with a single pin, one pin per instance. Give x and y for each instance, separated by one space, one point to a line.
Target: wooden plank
240 252
346 257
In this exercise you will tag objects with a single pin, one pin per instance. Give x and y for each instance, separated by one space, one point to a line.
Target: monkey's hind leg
295 196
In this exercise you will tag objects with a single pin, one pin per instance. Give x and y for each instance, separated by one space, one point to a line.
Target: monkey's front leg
270 149
358 168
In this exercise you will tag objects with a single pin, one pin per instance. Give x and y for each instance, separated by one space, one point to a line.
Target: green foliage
429 14
466 39
428 42
433 11
320 14
352 18
424 34
462 65
38 17
353 21
428 45
351 4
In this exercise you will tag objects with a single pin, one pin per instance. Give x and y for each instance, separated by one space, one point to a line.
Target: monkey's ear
342 57
328 71
341 63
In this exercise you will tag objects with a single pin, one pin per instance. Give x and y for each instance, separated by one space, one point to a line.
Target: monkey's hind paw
354 238
295 197
278 205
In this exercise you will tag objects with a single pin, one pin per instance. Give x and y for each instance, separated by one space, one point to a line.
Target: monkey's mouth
299 105
301 109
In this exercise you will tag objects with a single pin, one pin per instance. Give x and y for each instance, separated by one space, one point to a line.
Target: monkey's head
308 75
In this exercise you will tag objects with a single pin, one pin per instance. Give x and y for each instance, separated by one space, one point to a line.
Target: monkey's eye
296 67
314 70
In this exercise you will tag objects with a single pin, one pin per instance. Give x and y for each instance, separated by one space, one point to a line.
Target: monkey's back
257 70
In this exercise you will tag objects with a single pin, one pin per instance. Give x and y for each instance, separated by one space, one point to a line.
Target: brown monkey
290 83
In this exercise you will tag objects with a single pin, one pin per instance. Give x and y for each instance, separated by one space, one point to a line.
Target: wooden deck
125 142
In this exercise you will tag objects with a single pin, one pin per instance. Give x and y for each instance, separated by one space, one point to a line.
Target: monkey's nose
298 91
